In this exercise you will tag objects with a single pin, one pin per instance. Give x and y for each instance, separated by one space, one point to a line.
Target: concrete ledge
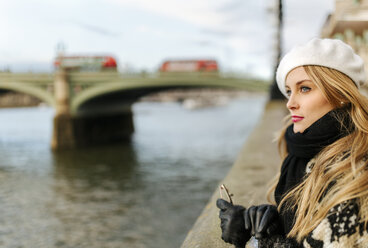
248 179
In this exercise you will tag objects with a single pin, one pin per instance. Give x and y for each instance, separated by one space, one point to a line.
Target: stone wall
248 179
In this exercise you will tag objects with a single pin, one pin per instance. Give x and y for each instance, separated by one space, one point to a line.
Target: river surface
144 194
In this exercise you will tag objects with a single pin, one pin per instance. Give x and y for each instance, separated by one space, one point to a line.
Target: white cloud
193 11
144 32
304 20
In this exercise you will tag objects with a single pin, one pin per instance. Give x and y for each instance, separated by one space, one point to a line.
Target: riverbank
15 100
199 98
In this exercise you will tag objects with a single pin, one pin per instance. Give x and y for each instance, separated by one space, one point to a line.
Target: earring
342 103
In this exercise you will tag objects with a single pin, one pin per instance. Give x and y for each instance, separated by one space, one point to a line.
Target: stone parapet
248 179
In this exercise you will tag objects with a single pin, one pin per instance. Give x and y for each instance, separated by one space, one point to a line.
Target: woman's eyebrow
303 80
299 82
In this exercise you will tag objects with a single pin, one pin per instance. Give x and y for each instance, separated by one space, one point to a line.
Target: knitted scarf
302 147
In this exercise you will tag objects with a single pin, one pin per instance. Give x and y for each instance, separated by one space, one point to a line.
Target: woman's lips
296 118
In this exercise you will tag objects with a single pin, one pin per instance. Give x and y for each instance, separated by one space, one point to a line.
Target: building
349 23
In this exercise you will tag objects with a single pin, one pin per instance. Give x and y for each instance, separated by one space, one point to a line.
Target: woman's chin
298 129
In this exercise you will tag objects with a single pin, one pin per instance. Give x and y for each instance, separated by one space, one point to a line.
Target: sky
141 34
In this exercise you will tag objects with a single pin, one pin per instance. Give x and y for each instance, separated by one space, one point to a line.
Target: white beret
330 53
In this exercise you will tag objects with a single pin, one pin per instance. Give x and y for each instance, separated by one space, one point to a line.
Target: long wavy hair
339 173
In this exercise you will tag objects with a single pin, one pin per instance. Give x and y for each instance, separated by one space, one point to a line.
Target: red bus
86 63
189 66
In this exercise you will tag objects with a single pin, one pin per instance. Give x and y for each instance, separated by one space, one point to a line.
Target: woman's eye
304 89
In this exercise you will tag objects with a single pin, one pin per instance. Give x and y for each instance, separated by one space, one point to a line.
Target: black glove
232 223
264 221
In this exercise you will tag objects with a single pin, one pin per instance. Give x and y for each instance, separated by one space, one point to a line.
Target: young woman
321 195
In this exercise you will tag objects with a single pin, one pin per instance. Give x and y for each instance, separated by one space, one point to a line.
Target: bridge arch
111 87
30 90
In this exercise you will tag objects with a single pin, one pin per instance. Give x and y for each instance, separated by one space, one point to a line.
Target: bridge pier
63 132
92 126
80 131
103 129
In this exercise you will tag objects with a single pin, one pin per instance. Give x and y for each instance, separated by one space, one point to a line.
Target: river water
144 194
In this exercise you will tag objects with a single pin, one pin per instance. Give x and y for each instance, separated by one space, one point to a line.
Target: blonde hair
337 176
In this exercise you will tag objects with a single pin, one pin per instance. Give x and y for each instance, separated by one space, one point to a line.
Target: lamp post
275 93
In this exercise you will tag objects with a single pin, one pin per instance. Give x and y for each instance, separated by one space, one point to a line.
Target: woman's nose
292 103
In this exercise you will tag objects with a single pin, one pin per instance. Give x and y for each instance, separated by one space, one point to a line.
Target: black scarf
302 147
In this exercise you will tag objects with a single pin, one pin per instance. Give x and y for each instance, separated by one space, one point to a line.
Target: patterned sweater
341 228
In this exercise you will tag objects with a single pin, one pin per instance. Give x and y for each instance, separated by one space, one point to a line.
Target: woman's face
306 102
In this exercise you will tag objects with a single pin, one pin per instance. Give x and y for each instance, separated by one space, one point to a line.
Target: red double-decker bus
86 63
189 66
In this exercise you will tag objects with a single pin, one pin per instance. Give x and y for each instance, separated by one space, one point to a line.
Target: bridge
95 108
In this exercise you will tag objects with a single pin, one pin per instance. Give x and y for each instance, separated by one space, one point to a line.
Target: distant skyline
141 34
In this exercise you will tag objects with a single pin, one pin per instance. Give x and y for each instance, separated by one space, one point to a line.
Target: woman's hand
263 221
232 223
